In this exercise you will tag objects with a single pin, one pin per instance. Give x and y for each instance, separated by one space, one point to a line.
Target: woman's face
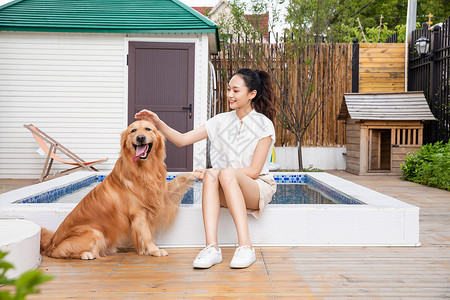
238 94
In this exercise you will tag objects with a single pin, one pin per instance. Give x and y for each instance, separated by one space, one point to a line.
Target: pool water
76 196
287 193
300 194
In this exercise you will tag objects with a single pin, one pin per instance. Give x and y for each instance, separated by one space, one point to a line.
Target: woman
240 144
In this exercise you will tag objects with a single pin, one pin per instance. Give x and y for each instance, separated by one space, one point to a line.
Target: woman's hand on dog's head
148 115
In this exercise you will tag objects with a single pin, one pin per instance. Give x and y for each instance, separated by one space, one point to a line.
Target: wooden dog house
381 128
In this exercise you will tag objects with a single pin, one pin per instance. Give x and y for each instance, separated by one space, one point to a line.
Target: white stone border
383 221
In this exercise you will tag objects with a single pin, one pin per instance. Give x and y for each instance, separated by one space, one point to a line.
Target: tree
311 18
374 34
245 20
314 77
333 18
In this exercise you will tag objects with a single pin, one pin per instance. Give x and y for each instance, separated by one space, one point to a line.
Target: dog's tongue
139 151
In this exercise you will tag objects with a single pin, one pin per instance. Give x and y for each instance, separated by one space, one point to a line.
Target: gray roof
386 106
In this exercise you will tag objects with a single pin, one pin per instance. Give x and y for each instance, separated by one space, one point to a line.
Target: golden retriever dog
129 206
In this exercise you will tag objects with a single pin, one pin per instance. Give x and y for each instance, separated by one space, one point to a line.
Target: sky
200 2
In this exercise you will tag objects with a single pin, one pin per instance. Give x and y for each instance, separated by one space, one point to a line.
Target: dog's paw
198 175
159 252
87 255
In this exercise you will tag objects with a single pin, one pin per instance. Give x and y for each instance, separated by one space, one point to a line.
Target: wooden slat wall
71 86
399 155
407 135
74 87
353 146
381 68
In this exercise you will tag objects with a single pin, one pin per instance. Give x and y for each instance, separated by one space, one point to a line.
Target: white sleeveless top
233 142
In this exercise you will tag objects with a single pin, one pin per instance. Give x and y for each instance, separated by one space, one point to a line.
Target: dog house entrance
379 150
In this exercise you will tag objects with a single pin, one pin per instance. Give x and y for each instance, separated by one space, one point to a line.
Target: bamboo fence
294 69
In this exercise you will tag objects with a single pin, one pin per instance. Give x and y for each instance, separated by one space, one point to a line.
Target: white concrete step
20 238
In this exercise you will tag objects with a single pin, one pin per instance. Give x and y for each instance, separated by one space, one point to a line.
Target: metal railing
430 73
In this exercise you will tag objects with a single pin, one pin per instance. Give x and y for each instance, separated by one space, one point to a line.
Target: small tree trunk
299 153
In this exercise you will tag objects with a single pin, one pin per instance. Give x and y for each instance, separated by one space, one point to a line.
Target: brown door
161 79
379 150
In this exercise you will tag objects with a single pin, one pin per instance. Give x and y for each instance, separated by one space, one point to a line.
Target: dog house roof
109 16
385 106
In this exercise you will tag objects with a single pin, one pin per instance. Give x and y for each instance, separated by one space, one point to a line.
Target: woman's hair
262 83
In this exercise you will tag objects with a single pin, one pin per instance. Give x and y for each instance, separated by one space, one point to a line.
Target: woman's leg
241 192
211 205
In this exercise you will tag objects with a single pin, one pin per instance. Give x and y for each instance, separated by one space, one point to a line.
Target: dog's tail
176 189
46 236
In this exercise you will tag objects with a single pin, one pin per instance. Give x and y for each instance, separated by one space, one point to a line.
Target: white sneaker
243 257
208 257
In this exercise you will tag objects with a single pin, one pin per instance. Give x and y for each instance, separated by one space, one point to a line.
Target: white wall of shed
73 86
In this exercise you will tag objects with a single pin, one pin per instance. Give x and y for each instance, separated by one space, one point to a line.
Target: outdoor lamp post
422 45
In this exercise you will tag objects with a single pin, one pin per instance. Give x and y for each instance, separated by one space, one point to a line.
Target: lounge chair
43 139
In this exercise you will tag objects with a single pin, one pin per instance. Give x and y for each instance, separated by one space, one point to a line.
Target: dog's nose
140 139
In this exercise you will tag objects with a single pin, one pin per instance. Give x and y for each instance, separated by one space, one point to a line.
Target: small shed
381 128
79 70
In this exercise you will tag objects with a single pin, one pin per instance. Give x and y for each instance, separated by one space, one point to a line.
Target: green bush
429 166
25 284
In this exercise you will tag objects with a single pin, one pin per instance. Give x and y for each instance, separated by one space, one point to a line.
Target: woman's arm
179 139
259 158
182 139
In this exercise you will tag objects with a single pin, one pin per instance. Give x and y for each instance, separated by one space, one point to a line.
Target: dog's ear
123 139
161 145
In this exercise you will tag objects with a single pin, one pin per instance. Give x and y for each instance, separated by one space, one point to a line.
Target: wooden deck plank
279 272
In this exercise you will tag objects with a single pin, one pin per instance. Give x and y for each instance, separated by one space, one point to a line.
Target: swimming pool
357 216
305 190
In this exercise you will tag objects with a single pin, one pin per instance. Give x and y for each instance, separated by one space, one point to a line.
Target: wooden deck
279 272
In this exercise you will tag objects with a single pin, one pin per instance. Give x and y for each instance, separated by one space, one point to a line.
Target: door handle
190 110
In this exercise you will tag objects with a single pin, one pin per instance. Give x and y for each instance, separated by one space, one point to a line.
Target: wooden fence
327 67
381 68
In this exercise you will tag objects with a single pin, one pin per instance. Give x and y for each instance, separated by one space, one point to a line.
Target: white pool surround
382 221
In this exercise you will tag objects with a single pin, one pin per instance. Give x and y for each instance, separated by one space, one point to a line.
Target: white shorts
267 187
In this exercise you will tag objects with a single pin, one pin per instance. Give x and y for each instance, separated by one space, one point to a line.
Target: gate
430 73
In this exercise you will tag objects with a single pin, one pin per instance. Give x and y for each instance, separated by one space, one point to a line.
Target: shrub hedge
429 166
